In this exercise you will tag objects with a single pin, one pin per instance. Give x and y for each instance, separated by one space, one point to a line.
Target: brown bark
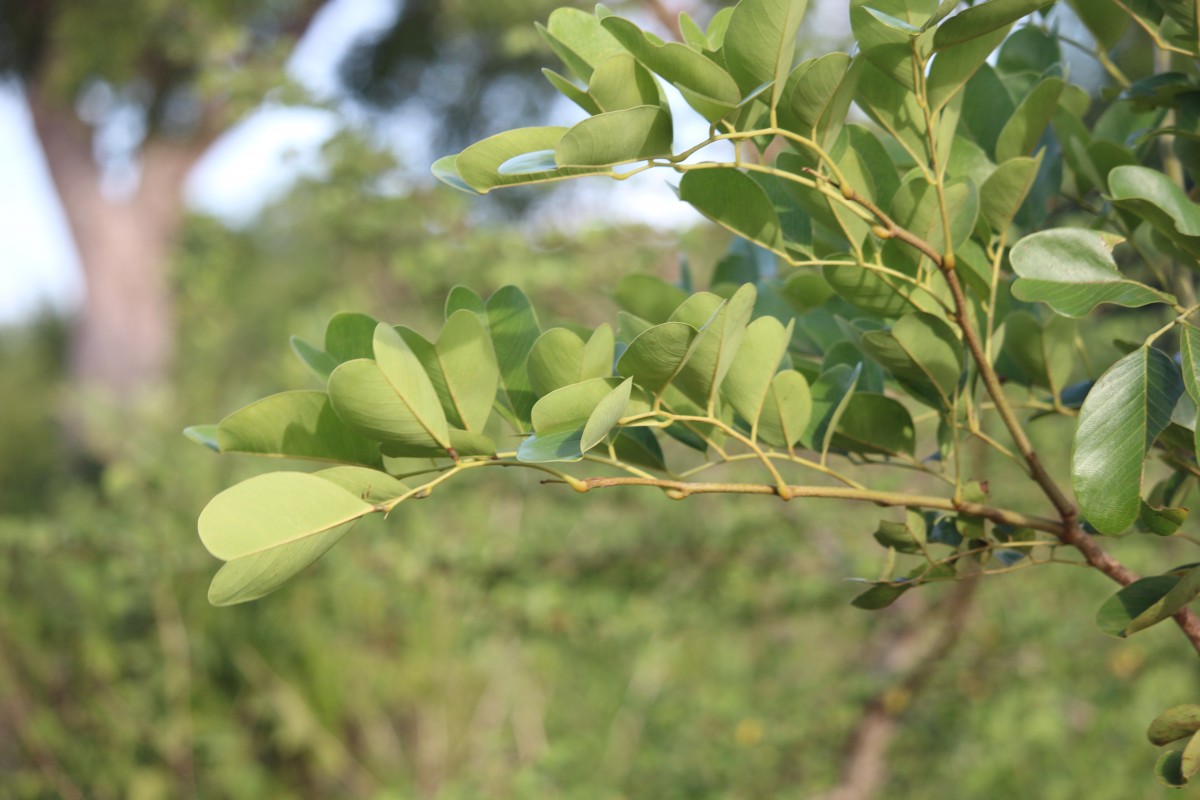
124 335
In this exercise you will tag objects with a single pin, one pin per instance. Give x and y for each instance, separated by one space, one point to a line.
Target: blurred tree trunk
123 339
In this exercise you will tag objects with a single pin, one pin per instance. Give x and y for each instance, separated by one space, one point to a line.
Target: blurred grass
501 639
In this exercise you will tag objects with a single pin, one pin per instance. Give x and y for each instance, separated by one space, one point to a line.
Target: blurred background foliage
507 640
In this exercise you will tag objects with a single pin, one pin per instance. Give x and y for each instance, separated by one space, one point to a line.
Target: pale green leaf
620 82
680 66
317 360
786 410
555 360
712 352
274 509
616 137
654 357
760 43
758 359
407 376
1153 196
298 424
1072 271
368 403
468 366
982 19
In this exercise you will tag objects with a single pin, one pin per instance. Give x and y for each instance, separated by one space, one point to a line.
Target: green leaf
831 394
317 360
639 446
889 46
529 163
479 165
1169 769
1190 761
982 19
463 297
1161 521
874 423
655 356
817 96
1045 353
1001 195
881 595
987 107
620 82
579 40
1021 133
367 402
407 376
956 65
705 85
1072 271
1106 21
606 414
1120 610
445 169
204 435
758 359
922 354
469 370
295 425
1152 196
1180 595
735 201
760 43
905 537
1125 411
562 418
712 353
616 137
572 92
555 360
369 485
514 328
1189 358
786 410
649 297
693 34
1177 722
274 509
349 336
866 290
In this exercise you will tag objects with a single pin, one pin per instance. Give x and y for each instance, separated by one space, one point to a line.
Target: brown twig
1069 532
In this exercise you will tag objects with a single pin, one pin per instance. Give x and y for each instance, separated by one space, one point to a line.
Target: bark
124 336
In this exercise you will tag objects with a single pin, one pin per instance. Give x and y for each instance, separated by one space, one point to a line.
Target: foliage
902 294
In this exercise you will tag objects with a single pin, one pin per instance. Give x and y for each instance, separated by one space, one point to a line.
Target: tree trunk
124 336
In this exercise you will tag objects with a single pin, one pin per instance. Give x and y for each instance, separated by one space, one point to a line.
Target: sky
253 162
248 166
259 158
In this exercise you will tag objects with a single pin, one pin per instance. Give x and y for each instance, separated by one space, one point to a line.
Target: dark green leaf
1126 410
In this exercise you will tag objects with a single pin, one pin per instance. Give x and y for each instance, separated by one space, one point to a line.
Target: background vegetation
511 640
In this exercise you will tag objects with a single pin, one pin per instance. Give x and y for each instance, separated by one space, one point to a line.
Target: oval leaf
1125 411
